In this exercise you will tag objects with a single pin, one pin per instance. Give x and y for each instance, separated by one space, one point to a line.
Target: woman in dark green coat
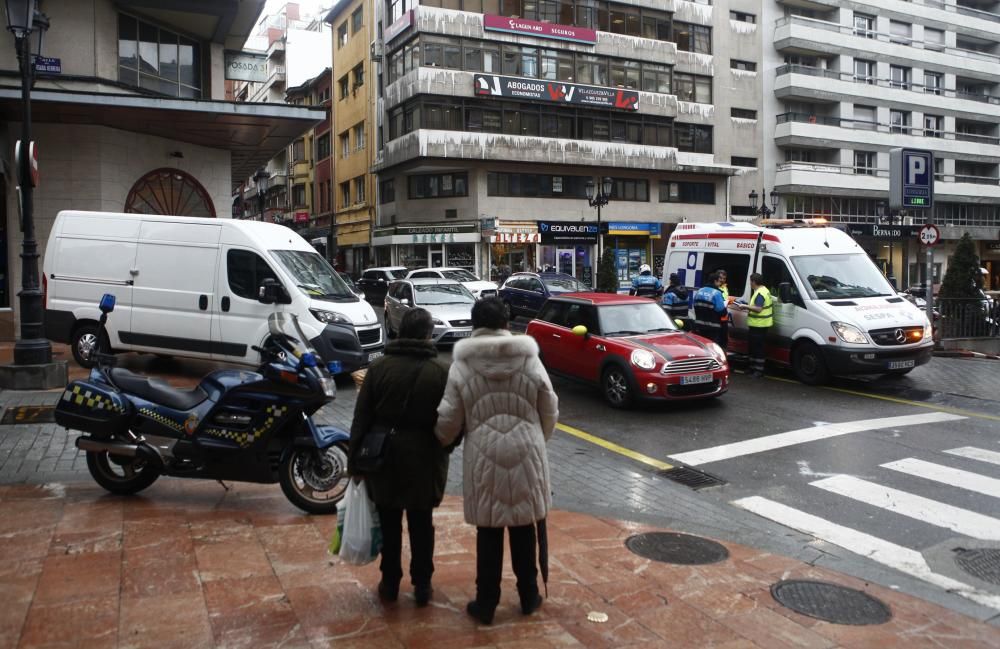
403 390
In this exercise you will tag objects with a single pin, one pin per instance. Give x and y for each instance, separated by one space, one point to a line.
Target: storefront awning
252 133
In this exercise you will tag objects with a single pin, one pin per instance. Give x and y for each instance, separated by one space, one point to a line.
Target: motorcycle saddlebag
92 408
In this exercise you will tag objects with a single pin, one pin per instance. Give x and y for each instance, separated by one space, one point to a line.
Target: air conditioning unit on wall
376 50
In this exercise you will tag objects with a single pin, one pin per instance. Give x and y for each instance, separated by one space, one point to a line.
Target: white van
189 287
834 311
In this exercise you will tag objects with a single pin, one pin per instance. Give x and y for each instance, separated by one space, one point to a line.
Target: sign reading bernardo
489 85
246 66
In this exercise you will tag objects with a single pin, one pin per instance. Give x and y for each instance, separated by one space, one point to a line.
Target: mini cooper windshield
634 319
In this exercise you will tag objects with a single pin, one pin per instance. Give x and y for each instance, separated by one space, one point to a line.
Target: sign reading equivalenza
246 66
490 85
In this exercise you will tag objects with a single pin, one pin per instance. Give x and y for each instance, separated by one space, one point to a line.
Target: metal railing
854 170
964 11
968 317
867 125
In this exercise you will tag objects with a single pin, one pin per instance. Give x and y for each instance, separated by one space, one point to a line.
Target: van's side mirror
107 304
272 292
785 292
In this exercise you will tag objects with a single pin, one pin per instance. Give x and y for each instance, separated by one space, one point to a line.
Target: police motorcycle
238 425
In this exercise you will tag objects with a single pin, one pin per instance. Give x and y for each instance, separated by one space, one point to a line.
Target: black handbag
374 447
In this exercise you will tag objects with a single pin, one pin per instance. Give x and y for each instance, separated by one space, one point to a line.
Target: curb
961 353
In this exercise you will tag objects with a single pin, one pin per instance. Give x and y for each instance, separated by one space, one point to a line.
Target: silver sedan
449 303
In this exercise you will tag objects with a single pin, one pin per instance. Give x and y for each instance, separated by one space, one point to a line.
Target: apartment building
846 82
354 106
310 163
498 114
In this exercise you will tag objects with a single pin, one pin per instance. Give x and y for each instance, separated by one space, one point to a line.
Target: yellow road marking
615 448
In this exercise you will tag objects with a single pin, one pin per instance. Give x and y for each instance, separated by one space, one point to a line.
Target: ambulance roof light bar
794 223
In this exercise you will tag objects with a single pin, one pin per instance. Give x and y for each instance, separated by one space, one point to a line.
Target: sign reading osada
540 29
489 85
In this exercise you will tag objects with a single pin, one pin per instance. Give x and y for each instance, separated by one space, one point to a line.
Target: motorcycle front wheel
315 480
119 474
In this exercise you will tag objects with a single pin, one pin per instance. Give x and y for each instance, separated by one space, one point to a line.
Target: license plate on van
902 365
694 379
373 355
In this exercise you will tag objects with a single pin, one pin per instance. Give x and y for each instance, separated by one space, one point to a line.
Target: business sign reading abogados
542 30
246 66
489 85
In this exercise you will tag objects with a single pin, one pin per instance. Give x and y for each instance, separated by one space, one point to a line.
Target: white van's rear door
173 297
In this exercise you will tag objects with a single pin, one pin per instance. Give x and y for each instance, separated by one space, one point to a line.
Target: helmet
645 269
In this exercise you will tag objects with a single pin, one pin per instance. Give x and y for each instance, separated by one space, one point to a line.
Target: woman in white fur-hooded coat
499 393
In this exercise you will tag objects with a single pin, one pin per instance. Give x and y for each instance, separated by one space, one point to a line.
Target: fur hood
495 353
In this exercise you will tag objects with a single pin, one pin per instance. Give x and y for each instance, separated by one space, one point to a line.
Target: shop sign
398 27
488 225
491 85
495 23
516 237
245 66
880 231
638 229
993 245
302 217
557 232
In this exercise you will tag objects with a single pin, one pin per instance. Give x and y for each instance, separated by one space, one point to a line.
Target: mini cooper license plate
696 378
902 365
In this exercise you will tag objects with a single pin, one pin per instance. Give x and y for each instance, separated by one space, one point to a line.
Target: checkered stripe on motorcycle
162 419
247 437
89 399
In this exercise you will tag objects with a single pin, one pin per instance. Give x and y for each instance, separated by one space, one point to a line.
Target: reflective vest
705 313
725 292
765 317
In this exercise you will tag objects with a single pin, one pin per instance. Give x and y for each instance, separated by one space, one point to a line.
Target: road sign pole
929 295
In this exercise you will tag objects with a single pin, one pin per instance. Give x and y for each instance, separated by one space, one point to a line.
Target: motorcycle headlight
718 352
849 333
644 359
330 317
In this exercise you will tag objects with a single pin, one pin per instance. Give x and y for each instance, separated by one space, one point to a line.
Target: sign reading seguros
489 85
246 66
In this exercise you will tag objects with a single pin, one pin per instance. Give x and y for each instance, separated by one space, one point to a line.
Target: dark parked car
525 293
375 281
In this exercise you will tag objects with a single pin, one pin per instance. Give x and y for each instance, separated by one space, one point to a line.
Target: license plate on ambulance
902 365
694 379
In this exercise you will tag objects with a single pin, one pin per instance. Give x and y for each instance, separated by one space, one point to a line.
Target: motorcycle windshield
285 327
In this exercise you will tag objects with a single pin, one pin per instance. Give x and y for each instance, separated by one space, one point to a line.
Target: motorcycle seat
157 391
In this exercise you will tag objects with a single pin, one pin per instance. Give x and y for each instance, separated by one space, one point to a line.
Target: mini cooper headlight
718 353
644 359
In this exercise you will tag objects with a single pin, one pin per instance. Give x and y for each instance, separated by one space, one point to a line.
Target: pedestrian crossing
872 493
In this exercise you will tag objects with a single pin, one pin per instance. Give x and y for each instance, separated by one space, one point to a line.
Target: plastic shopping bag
334 547
361 540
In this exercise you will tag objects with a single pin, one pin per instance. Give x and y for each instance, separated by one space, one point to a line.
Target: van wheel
808 364
86 341
616 386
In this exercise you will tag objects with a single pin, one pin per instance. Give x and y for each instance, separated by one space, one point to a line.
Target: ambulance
835 313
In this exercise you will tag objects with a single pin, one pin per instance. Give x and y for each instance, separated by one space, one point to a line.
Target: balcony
817 178
933 13
808 34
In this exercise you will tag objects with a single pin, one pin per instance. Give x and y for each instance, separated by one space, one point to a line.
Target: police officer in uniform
644 284
760 318
709 310
675 299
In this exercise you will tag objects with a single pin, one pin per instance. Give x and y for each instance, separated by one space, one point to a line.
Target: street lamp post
764 210
32 348
598 201
260 179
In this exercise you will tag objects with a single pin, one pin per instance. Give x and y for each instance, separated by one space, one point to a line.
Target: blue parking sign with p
911 178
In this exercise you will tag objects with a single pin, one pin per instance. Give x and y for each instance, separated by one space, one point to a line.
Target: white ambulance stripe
888 554
922 509
974 453
947 475
815 433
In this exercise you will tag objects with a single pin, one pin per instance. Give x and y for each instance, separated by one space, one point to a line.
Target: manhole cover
29 415
981 563
691 477
670 547
830 602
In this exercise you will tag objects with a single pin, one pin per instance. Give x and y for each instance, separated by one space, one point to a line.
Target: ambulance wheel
616 386
119 474
86 340
808 364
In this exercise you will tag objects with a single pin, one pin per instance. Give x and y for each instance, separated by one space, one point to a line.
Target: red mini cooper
629 346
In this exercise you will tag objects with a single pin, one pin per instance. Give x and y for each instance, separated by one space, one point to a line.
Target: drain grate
28 415
981 563
830 602
691 477
670 547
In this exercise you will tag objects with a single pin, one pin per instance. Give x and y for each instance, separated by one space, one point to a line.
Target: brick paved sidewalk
188 564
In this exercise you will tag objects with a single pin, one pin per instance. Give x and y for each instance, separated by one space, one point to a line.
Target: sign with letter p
911 179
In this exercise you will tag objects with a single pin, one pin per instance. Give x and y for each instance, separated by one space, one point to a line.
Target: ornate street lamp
764 210
32 348
598 201
260 179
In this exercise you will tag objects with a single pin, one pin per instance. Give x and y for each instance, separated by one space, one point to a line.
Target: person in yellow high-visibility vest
760 317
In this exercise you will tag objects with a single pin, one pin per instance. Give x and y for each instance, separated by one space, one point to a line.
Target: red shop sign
540 29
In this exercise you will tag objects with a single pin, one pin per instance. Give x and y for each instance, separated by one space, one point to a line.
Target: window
169 191
736 265
386 191
246 271
438 185
933 82
629 189
298 150
738 161
899 121
535 185
741 17
865 117
345 195
359 76
775 273
357 19
743 113
359 189
690 87
899 32
693 38
323 146
933 39
655 78
157 59
693 138
344 86
746 66
359 137
864 163
864 25
899 77
298 195
342 35
933 125
864 71
682 192
345 144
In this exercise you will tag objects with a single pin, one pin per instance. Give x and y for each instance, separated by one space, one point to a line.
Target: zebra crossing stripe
973 453
947 475
922 509
888 554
